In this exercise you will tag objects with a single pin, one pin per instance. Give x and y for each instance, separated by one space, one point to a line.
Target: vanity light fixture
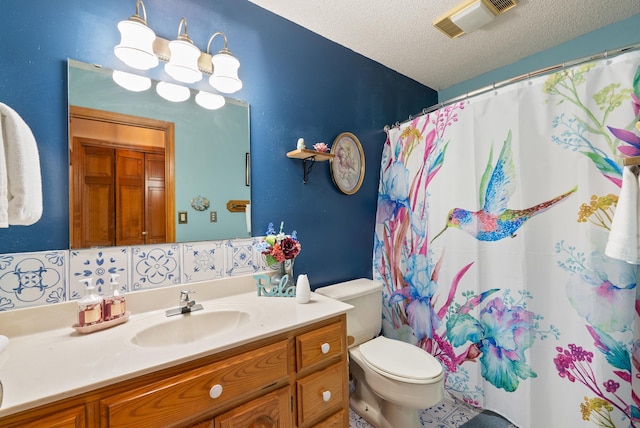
172 92
131 82
225 68
183 62
136 41
210 101
140 48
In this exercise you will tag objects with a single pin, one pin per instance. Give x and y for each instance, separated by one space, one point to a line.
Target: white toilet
393 379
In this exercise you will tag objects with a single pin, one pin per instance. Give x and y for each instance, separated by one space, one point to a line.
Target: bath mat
487 419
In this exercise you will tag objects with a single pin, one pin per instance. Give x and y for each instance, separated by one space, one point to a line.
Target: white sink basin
191 327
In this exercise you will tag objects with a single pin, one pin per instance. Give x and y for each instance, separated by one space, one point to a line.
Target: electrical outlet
213 216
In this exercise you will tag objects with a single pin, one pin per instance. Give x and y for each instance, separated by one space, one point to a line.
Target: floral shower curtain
493 216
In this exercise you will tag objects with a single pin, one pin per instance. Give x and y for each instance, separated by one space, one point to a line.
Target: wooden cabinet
296 378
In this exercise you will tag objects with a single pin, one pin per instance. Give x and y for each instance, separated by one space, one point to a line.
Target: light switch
213 216
182 217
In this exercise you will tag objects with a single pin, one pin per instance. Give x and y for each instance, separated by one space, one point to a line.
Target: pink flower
320 147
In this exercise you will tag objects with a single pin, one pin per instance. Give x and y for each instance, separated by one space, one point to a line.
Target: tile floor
450 413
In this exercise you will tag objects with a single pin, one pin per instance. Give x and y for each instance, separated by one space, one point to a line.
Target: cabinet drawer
321 393
337 420
318 346
187 395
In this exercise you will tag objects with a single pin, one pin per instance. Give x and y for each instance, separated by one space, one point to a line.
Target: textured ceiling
399 34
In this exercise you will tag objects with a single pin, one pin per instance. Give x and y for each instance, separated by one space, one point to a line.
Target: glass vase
284 268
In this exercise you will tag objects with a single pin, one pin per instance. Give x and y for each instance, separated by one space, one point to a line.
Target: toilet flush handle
325 347
326 396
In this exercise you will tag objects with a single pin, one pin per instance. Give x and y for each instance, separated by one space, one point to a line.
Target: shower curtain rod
539 72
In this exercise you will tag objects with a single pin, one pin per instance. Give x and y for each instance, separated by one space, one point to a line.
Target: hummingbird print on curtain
495 221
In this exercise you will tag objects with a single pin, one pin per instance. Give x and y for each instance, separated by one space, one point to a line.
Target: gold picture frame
347 165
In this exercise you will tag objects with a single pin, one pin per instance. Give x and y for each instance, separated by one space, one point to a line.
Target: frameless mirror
210 169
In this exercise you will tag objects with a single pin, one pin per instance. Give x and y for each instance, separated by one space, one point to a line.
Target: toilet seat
400 360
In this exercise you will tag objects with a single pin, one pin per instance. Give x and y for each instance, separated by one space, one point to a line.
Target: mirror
211 151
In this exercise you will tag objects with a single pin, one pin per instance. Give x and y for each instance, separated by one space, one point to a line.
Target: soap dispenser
90 305
114 302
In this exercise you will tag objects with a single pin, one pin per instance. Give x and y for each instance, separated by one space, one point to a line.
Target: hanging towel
624 242
20 182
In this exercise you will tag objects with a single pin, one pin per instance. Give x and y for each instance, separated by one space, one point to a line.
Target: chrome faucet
186 305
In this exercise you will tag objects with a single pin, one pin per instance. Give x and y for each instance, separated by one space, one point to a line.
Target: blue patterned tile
202 261
32 279
440 411
460 415
99 264
241 257
356 421
155 266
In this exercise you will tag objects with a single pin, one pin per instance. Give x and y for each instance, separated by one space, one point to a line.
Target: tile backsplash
41 278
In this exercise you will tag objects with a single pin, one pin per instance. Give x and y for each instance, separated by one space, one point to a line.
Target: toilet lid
400 359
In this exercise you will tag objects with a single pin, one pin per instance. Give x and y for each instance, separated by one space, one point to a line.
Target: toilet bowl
393 379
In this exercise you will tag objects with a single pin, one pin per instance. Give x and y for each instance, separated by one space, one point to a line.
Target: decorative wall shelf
309 157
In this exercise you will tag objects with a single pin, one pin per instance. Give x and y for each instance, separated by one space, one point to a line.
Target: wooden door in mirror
121 176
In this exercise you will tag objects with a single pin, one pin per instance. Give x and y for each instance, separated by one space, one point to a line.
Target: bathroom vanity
281 365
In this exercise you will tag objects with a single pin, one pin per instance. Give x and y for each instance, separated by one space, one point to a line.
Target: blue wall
621 34
297 84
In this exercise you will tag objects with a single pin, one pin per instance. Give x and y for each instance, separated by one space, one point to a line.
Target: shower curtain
492 219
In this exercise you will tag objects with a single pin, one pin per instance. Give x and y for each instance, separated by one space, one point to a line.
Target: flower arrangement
321 147
279 247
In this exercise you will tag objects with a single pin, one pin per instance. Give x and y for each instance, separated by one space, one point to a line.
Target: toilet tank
364 321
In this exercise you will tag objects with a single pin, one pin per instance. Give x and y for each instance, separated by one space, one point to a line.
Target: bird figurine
495 221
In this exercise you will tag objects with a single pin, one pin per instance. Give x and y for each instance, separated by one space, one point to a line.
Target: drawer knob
215 391
326 396
325 347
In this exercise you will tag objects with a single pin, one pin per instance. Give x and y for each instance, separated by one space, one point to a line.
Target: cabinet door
269 411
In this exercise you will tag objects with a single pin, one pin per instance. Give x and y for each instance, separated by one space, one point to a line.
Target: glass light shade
172 92
183 65
136 45
131 82
210 101
225 73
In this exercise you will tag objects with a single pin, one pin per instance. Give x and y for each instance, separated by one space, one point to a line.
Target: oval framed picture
347 165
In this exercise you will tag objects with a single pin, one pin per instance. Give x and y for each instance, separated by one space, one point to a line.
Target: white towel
624 242
20 182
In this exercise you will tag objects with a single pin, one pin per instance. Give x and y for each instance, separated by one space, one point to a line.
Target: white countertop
50 365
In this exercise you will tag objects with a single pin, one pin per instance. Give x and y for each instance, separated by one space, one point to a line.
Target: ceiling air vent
471 15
